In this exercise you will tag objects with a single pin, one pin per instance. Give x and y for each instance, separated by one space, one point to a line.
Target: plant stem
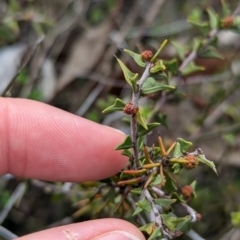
158 219
135 99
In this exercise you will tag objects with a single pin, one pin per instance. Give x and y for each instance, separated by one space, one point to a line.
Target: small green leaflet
137 58
151 86
185 145
142 131
164 202
191 68
127 143
117 106
214 20
148 228
129 76
159 50
140 120
203 160
144 204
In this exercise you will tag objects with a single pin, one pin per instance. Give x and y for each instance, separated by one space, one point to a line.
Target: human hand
43 142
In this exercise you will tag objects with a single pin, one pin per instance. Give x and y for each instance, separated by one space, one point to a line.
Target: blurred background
61 52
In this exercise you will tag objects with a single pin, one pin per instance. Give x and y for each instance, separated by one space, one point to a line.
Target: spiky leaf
140 120
137 211
129 76
209 163
142 131
137 191
185 225
177 151
158 67
117 106
144 204
152 86
137 58
191 68
147 228
156 234
185 145
127 143
159 50
203 27
127 152
172 66
164 202
210 52
214 20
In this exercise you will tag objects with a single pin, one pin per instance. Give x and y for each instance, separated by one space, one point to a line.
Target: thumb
103 229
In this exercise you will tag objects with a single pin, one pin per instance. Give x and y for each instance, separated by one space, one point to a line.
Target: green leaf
178 198
164 202
151 86
127 143
195 15
140 120
156 234
144 204
214 20
158 67
182 50
191 68
225 9
127 152
185 225
203 27
129 76
137 211
147 228
137 191
176 168
142 131
140 141
117 106
160 76
177 151
162 118
137 57
193 185
172 66
211 164
197 43
185 145
159 50
156 181
210 52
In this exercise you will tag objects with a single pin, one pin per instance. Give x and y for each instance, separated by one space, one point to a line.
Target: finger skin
40 141
85 230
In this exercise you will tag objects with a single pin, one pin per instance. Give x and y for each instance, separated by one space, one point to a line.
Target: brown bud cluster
187 191
130 109
227 22
192 161
146 55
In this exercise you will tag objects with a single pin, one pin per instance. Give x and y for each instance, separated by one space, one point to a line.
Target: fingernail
117 235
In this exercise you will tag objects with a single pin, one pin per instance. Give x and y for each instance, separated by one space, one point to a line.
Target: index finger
40 141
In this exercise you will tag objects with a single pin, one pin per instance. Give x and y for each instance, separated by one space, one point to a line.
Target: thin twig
158 219
16 196
6 234
135 99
